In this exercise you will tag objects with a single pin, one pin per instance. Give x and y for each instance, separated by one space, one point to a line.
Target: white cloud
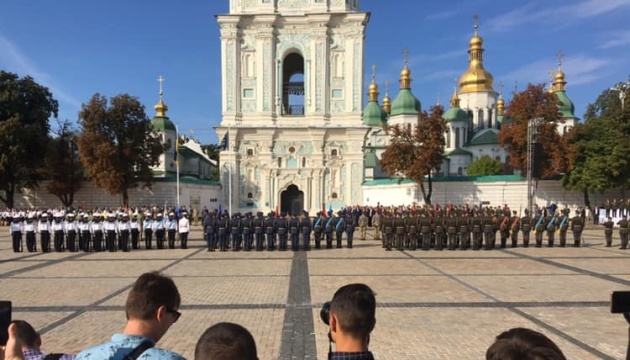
14 60
579 69
621 38
543 12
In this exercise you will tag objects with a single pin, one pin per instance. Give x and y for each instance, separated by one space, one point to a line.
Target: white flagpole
227 144
177 162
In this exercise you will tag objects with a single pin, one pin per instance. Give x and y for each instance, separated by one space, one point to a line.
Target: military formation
249 232
96 231
475 228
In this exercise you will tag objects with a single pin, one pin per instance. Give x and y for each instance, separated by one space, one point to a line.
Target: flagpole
227 144
177 161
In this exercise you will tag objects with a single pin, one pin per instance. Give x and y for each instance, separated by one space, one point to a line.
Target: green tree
414 153
25 107
599 150
63 168
484 166
117 145
534 103
212 150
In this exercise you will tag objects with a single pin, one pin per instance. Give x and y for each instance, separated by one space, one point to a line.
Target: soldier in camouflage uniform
514 228
526 227
425 230
464 230
563 226
477 230
451 230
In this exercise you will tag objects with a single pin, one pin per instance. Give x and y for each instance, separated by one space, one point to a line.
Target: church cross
373 72
406 54
501 87
560 55
386 87
161 80
476 20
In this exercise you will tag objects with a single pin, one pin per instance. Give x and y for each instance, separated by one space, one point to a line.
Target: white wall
161 193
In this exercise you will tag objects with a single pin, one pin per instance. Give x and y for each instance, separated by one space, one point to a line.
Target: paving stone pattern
431 304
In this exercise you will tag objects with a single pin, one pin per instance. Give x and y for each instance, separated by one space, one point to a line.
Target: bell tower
292 83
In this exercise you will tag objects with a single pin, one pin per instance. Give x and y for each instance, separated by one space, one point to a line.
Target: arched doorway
292 200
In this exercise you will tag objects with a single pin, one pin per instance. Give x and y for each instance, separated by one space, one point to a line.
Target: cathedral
295 132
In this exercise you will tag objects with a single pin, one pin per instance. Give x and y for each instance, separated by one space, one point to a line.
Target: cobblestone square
431 304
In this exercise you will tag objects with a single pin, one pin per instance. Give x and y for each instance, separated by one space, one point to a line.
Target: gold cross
476 20
501 87
560 55
373 72
406 54
161 80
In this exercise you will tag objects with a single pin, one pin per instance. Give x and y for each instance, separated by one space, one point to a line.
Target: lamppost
532 182
622 88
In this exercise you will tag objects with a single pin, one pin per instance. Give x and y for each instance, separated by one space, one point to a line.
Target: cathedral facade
292 82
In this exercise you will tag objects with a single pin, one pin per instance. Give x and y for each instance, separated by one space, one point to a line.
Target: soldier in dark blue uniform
340 226
282 230
258 224
222 225
209 227
328 228
305 230
235 231
270 231
318 229
294 230
246 227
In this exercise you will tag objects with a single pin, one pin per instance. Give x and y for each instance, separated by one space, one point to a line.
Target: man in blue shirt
151 310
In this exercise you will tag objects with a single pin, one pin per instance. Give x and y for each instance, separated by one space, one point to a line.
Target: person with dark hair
523 344
226 341
30 343
352 317
151 309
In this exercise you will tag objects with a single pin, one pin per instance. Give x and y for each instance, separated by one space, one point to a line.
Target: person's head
523 344
153 300
352 313
226 341
26 334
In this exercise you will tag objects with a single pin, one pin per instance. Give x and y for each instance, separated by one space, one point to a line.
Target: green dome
405 104
455 114
162 124
374 115
566 107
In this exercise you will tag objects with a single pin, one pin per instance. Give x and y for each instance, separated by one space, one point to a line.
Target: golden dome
387 102
500 107
405 78
476 78
373 92
455 99
160 109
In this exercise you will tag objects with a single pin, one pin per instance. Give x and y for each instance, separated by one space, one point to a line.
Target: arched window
480 119
293 90
279 162
250 152
460 171
334 195
303 162
333 152
490 118
250 195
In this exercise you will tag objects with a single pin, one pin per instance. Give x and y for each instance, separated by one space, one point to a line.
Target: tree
414 153
599 153
485 165
117 144
534 103
62 167
212 150
25 107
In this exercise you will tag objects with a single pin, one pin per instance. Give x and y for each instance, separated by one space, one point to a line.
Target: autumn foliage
415 152
118 145
534 103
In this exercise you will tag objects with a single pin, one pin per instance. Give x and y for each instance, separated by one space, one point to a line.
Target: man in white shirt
184 229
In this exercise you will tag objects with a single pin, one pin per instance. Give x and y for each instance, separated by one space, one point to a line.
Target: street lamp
622 88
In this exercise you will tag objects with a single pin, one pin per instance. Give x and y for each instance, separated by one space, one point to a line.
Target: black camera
620 302
324 313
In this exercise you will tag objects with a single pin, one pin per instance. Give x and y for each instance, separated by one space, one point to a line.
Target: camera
324 313
620 302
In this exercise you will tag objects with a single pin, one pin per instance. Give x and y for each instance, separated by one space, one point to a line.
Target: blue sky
78 48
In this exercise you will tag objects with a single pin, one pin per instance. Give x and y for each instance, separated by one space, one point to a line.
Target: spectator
523 344
226 341
151 310
13 348
352 319
31 343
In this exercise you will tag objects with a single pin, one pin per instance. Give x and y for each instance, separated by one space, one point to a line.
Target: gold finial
560 55
455 97
387 105
559 82
476 22
500 102
405 74
551 85
373 90
160 107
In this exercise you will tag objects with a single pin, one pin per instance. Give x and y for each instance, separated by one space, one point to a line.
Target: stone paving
431 304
